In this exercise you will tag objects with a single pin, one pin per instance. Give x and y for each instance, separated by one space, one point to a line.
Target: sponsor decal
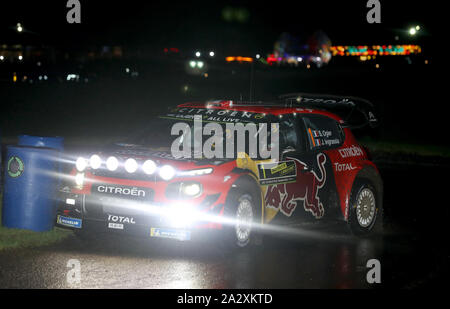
276 173
215 115
327 101
343 167
353 151
117 226
15 167
121 219
321 138
306 187
72 222
121 190
170 233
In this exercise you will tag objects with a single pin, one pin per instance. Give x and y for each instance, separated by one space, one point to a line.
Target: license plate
71 222
170 233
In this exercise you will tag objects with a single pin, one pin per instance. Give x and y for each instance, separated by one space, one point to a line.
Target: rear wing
356 112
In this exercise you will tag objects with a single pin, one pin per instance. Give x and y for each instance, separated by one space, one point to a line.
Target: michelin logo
72 222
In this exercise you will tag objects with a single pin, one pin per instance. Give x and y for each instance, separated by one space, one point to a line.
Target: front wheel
242 214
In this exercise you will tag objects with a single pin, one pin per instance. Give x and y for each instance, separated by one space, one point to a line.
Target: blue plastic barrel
30 187
56 142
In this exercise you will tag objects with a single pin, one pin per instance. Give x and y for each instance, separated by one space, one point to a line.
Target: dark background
408 96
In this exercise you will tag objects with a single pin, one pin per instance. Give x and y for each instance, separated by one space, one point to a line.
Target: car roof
259 107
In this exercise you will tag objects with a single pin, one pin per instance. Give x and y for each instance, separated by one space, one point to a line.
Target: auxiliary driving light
81 164
112 163
181 216
149 167
131 165
95 161
79 179
167 172
191 189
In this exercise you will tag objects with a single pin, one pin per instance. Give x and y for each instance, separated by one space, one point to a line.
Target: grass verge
17 238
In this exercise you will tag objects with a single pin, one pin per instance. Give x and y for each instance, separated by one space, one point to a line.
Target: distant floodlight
211 54
192 64
299 59
412 31
20 57
198 54
2 58
200 64
19 27
417 28
258 56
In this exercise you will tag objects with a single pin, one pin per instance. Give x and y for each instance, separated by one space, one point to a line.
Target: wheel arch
367 171
248 180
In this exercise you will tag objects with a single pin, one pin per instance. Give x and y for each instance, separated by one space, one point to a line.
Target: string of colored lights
375 50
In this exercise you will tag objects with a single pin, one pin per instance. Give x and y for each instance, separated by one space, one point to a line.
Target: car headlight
81 164
197 172
95 161
112 163
183 190
131 165
149 167
167 172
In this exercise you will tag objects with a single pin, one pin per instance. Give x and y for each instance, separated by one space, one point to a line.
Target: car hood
160 156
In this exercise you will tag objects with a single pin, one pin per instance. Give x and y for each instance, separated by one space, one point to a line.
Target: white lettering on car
122 191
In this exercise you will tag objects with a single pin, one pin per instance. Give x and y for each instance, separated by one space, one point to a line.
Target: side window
288 134
322 132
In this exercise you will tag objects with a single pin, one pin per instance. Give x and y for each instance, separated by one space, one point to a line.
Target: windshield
228 125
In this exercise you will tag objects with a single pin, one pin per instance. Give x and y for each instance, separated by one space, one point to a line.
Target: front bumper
131 217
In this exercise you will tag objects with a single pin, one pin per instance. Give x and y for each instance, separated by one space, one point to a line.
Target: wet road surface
413 252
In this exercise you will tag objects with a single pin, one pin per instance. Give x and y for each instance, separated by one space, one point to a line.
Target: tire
365 208
242 233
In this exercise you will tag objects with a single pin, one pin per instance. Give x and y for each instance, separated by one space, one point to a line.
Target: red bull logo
285 196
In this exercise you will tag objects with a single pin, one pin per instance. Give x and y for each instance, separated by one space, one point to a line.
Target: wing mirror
287 150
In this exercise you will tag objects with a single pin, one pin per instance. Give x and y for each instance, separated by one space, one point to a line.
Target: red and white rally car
321 173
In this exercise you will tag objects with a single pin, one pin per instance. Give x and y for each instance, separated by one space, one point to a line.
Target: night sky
200 24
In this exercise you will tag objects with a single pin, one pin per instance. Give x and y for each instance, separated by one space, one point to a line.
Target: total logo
343 167
121 219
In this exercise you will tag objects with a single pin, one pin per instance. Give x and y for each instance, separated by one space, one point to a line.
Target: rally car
141 186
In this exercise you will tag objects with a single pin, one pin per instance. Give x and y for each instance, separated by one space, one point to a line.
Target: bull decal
306 188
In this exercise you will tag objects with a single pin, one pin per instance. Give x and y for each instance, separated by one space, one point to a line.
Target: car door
312 195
